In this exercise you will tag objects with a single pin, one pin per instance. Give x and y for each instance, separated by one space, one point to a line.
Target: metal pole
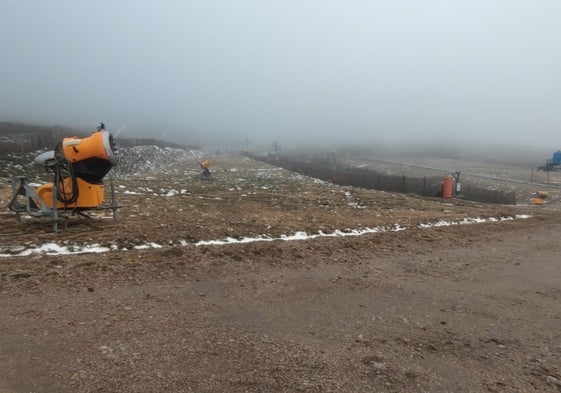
113 201
54 211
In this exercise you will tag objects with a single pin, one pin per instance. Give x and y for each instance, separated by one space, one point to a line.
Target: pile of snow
147 159
131 161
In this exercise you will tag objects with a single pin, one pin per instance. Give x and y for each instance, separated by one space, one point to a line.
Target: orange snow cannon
86 161
205 165
79 166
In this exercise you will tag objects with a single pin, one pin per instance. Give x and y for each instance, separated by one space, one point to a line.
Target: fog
296 72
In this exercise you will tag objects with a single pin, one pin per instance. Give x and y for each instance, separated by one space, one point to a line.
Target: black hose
62 170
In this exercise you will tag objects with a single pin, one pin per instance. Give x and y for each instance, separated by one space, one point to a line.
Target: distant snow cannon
79 166
539 198
205 165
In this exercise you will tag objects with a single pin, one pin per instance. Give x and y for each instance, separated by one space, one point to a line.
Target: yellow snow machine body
79 166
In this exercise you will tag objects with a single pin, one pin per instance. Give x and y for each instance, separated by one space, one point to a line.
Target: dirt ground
426 308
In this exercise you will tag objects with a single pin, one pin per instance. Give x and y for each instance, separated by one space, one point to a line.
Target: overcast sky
287 70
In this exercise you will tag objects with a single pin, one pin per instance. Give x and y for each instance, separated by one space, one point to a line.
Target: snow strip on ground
56 249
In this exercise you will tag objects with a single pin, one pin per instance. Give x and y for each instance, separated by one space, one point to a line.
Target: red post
447 187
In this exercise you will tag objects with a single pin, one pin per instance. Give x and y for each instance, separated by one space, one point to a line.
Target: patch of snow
147 245
301 235
56 249
465 221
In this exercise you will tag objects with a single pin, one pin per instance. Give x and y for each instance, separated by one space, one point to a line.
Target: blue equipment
552 164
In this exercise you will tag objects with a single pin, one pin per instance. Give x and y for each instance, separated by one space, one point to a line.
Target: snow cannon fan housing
92 157
80 164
